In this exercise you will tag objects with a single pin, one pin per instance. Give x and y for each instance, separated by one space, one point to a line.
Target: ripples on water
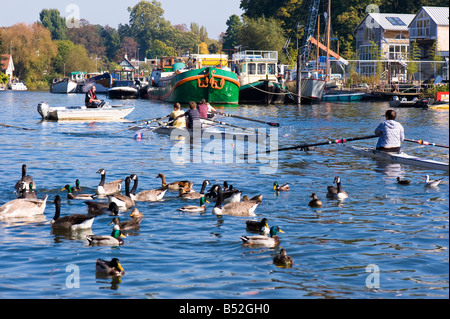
402 230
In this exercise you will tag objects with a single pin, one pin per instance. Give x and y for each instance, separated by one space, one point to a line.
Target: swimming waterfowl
27 191
432 183
315 202
123 201
231 195
283 259
109 188
25 178
258 226
105 240
280 188
70 195
195 209
23 207
191 194
174 186
97 208
149 195
403 181
257 198
130 224
112 268
77 187
246 208
263 240
336 192
71 222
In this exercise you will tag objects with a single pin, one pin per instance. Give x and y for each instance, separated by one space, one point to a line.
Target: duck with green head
113 240
280 188
70 194
263 240
195 209
112 268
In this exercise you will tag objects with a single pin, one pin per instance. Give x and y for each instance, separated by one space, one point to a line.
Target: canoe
81 113
401 158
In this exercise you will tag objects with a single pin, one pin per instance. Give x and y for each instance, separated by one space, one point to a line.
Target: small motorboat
104 112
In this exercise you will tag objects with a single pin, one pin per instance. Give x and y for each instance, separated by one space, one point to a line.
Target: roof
4 61
438 14
388 21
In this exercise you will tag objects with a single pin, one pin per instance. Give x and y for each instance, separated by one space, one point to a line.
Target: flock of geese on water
228 202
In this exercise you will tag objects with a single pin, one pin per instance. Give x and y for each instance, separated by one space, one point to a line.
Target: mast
317 46
328 39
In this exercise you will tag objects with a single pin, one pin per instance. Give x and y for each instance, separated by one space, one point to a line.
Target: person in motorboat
177 118
391 133
205 110
91 100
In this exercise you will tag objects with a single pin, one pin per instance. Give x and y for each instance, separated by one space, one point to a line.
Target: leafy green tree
52 20
231 38
112 41
89 36
413 55
3 78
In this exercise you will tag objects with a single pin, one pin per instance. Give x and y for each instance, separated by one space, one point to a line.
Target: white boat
312 86
401 158
124 86
82 113
68 84
18 86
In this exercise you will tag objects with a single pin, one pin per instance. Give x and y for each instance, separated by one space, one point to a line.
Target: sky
212 14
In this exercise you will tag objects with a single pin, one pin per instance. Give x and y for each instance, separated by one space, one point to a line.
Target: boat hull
264 92
401 158
415 103
81 113
205 133
122 92
344 97
215 85
311 89
64 86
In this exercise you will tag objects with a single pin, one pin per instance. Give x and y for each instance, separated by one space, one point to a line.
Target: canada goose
403 181
27 191
97 208
193 194
258 226
336 192
77 187
105 240
263 240
236 209
23 207
315 202
257 198
195 209
174 186
123 201
112 268
280 188
25 178
231 195
432 183
149 195
108 188
130 224
70 222
283 260
70 195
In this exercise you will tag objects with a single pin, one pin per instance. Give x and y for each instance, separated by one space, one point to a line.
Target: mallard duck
23 207
280 188
174 186
283 260
25 178
112 268
105 240
149 195
77 187
336 192
27 191
403 181
123 201
195 209
315 202
70 222
432 183
70 195
235 209
97 208
191 194
130 224
263 240
109 188
258 226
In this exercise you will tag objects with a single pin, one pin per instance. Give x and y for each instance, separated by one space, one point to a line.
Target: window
395 21
271 68
400 36
261 68
252 68
368 34
398 52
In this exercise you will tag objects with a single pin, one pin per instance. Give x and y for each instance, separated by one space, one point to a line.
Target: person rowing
177 117
205 110
391 134
193 117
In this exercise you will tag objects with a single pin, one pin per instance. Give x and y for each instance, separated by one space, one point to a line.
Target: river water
385 241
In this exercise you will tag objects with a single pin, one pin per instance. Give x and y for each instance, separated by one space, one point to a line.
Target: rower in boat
391 133
205 110
177 116
193 117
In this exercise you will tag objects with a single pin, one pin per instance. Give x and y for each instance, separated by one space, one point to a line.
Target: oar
339 141
19 127
422 142
230 125
148 121
246 118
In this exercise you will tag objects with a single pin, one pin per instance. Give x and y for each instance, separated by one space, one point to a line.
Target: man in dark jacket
91 100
